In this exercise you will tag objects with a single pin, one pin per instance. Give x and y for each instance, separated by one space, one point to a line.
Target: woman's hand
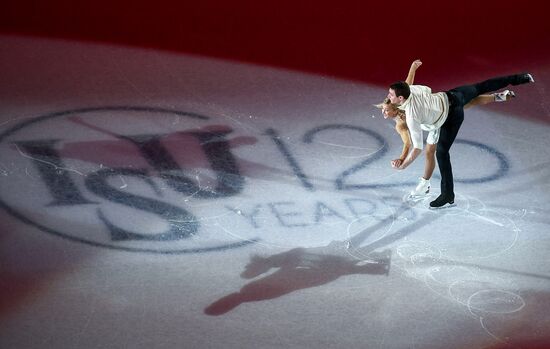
396 163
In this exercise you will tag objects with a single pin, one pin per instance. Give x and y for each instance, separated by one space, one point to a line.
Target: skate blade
415 198
443 207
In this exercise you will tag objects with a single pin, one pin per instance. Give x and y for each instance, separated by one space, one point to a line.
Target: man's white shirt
426 111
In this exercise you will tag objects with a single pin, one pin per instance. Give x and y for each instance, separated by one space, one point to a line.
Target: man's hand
416 64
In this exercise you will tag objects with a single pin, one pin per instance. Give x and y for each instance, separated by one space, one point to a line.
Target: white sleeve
416 133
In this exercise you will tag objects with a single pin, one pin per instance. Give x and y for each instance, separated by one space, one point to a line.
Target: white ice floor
159 200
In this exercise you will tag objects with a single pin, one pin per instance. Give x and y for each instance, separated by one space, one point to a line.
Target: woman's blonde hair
386 102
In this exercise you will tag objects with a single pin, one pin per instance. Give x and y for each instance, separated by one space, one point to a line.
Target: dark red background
374 42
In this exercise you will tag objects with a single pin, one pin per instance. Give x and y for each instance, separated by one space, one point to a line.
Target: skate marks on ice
490 294
451 263
469 220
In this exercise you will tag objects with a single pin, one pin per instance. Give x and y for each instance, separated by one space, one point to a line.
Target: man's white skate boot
422 189
504 95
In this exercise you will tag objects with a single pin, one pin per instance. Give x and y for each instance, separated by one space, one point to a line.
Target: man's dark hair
401 88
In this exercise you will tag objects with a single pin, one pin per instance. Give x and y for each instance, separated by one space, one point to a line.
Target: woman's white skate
419 193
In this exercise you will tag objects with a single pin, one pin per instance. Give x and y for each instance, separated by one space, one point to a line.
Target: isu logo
119 177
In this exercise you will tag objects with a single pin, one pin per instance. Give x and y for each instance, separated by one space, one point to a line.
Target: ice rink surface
164 200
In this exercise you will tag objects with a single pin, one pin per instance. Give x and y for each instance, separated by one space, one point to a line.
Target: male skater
443 112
